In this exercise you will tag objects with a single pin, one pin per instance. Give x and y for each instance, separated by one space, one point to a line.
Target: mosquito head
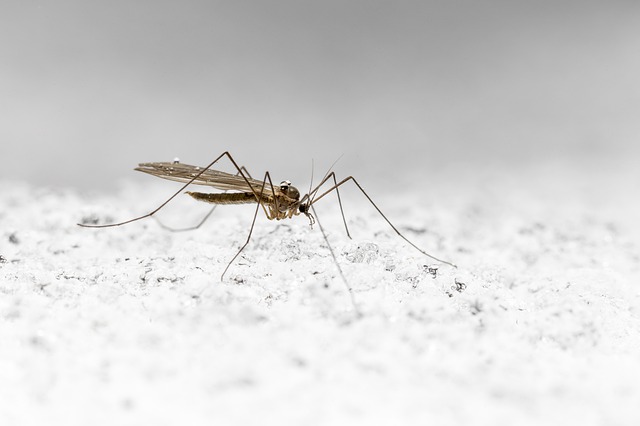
304 208
288 190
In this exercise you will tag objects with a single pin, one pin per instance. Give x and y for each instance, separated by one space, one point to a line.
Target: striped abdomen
225 198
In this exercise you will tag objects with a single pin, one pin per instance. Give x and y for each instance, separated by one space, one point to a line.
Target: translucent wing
180 172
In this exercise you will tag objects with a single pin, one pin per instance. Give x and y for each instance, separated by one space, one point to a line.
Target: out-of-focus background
89 89
499 135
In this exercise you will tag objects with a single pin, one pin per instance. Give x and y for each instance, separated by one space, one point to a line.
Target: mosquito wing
184 173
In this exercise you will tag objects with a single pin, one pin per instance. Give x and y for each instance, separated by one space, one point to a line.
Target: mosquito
278 202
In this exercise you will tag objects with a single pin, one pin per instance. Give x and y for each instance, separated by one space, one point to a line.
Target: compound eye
284 185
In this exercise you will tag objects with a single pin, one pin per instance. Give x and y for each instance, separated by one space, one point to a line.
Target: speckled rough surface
540 324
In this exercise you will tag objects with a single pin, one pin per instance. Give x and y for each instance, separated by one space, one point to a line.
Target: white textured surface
132 325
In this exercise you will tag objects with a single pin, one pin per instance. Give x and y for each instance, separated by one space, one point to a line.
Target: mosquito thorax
289 191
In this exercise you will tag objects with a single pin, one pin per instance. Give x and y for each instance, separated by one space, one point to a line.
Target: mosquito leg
267 177
335 184
204 219
335 260
312 193
253 222
190 228
224 154
351 178
246 172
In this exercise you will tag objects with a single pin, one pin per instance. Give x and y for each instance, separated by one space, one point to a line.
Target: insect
278 202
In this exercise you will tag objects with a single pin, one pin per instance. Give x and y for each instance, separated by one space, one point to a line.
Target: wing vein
180 172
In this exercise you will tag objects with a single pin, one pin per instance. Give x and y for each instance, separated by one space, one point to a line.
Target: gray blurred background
89 89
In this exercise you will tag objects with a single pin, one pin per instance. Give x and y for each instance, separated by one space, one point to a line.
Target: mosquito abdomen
225 198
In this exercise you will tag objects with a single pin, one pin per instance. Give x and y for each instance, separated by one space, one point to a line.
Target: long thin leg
346 228
190 228
267 177
313 193
335 260
204 219
351 178
224 154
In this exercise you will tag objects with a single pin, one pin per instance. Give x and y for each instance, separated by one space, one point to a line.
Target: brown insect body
287 207
278 202
234 198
